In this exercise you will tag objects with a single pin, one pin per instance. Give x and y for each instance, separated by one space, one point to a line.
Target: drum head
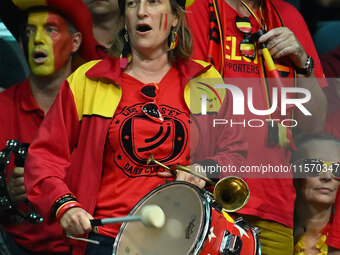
187 217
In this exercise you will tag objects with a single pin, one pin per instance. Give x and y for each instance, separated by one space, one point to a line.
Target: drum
193 226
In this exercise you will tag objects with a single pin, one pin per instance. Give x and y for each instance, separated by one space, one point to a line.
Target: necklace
321 245
300 247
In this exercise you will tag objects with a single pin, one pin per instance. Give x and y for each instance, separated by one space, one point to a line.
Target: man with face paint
50 46
52 38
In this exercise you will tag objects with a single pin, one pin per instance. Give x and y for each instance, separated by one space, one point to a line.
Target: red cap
78 13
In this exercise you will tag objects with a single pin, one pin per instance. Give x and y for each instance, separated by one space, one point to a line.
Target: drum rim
257 243
207 214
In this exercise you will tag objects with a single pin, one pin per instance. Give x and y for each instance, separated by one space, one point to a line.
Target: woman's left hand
184 176
282 42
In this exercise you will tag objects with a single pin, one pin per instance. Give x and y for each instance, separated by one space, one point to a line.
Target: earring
126 36
125 56
172 39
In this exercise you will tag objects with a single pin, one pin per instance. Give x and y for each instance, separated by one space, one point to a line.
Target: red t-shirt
20 119
198 14
271 198
132 138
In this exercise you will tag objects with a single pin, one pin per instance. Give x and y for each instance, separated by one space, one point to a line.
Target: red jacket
78 123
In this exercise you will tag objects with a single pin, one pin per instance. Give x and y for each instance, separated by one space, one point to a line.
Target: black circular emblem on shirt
139 137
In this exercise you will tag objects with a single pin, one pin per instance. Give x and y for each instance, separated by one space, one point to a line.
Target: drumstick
152 216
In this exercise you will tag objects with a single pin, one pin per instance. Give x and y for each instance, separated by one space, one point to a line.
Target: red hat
78 13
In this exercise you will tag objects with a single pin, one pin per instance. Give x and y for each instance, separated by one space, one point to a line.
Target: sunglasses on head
151 109
314 167
247 46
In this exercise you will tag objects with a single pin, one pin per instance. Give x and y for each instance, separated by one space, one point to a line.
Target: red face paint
50 42
166 21
62 41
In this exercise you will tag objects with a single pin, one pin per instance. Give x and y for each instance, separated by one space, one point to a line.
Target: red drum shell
192 225
222 222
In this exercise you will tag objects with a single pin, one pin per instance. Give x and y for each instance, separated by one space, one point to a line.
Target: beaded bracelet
65 196
61 201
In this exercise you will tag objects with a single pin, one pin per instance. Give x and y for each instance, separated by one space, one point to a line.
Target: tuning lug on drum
230 245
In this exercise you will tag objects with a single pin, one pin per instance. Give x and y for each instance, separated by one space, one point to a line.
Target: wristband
61 201
61 210
64 197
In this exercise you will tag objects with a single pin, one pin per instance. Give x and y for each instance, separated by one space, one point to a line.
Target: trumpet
231 192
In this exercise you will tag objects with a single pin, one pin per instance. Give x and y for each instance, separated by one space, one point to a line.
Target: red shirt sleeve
50 153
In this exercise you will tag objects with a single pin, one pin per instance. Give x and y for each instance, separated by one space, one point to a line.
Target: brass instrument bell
231 192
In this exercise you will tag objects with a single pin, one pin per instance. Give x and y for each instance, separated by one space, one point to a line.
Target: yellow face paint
50 44
40 46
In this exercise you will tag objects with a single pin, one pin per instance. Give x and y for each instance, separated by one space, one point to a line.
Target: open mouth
143 28
39 57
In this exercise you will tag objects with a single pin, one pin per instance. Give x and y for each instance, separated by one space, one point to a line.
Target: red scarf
216 55
216 48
